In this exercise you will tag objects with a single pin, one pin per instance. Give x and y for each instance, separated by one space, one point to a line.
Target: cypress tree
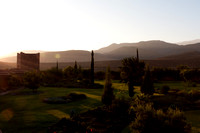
75 65
57 65
108 95
92 68
75 70
137 55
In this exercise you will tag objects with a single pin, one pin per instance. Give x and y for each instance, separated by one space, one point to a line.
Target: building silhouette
28 61
25 62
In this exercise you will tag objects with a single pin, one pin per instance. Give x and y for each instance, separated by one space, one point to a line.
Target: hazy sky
92 24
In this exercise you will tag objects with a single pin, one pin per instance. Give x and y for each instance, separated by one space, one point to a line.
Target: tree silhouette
92 68
132 71
75 70
147 84
108 95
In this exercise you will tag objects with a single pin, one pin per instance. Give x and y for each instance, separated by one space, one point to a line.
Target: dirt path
7 92
4 93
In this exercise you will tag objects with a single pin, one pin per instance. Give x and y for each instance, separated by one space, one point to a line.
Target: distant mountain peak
189 42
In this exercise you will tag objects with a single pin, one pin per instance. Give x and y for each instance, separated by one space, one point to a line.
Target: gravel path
4 93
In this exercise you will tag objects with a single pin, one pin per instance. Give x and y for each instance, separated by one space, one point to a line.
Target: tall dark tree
147 84
92 68
57 65
75 70
75 65
132 71
137 55
108 95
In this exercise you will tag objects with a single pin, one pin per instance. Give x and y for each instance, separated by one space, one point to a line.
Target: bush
108 95
194 95
120 106
164 89
75 96
32 80
150 120
67 126
65 99
15 81
55 100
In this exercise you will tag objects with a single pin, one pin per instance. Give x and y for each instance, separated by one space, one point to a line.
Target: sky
58 25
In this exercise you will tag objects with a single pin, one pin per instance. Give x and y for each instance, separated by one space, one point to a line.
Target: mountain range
148 50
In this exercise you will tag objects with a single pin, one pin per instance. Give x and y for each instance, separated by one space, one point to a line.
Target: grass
24 113
193 117
179 85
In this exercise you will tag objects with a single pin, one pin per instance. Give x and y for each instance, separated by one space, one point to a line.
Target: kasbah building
25 62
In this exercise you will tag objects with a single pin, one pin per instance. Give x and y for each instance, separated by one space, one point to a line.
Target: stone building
28 61
25 62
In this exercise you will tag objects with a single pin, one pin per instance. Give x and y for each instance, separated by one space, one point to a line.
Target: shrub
150 120
55 100
15 81
164 89
108 95
194 94
194 84
75 96
32 80
65 99
67 126
120 106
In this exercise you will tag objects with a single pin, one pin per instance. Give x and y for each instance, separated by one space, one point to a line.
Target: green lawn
27 113
176 85
193 116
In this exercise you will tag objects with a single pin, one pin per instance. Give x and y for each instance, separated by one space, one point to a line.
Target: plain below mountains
64 56
148 50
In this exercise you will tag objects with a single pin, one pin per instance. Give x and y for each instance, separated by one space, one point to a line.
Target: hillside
128 51
147 49
189 42
64 56
195 56
155 44
5 65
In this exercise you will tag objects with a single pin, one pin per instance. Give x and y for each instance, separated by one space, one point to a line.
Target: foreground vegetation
24 111
70 100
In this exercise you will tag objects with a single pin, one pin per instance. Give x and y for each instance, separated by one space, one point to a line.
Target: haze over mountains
189 42
148 50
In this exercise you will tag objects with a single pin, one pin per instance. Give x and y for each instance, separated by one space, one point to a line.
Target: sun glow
51 25
46 25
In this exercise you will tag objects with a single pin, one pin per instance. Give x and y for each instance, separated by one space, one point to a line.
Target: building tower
28 61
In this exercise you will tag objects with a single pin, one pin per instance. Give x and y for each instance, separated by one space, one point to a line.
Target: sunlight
89 95
57 56
57 113
6 114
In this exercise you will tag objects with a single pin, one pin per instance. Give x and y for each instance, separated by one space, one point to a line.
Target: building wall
28 61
